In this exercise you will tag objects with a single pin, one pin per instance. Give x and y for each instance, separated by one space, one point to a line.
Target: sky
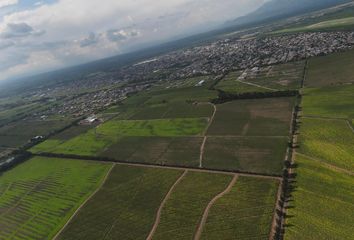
40 36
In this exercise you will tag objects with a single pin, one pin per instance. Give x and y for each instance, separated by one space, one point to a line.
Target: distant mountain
277 9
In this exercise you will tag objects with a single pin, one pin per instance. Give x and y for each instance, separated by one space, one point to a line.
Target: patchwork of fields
39 196
184 168
286 76
321 206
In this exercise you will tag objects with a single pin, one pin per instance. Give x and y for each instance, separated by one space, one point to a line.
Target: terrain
247 135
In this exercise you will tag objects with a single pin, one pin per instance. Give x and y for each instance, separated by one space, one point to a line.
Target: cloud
75 31
92 39
15 30
6 3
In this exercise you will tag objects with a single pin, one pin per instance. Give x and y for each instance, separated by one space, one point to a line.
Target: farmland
328 140
332 102
125 207
39 196
258 155
244 213
183 210
96 141
323 203
266 117
264 79
333 69
18 134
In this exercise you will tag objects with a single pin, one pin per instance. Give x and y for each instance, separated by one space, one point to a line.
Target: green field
184 83
257 155
333 69
286 76
323 203
19 133
183 210
244 213
96 141
175 151
125 207
335 102
334 24
265 117
40 195
330 141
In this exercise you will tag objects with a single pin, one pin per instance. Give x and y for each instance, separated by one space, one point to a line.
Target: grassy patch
334 69
258 155
39 196
125 207
336 102
329 140
323 203
265 117
183 211
244 213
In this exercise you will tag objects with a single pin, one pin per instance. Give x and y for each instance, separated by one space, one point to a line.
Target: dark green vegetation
19 133
257 155
180 151
323 203
40 195
330 141
264 117
265 79
125 207
244 213
334 69
183 210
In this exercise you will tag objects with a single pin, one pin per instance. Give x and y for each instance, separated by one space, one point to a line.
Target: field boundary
163 203
84 203
141 164
202 222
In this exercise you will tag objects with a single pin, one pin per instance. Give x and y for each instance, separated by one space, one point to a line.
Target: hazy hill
276 9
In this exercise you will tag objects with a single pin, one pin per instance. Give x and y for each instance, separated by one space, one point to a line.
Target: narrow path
324 118
198 233
338 169
201 156
256 85
158 215
93 194
202 147
350 126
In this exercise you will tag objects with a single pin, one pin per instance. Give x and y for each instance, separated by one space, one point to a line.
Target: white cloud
76 31
6 3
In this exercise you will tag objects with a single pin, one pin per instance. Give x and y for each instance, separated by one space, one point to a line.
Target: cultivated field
245 212
98 140
331 141
265 117
322 205
125 207
170 151
334 69
333 102
264 79
39 196
249 154
183 210
19 133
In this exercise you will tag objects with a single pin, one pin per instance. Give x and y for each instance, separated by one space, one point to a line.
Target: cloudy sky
39 36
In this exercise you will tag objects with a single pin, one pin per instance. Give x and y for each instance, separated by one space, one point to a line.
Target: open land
40 195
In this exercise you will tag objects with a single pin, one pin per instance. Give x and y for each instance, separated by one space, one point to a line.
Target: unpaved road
158 215
211 203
